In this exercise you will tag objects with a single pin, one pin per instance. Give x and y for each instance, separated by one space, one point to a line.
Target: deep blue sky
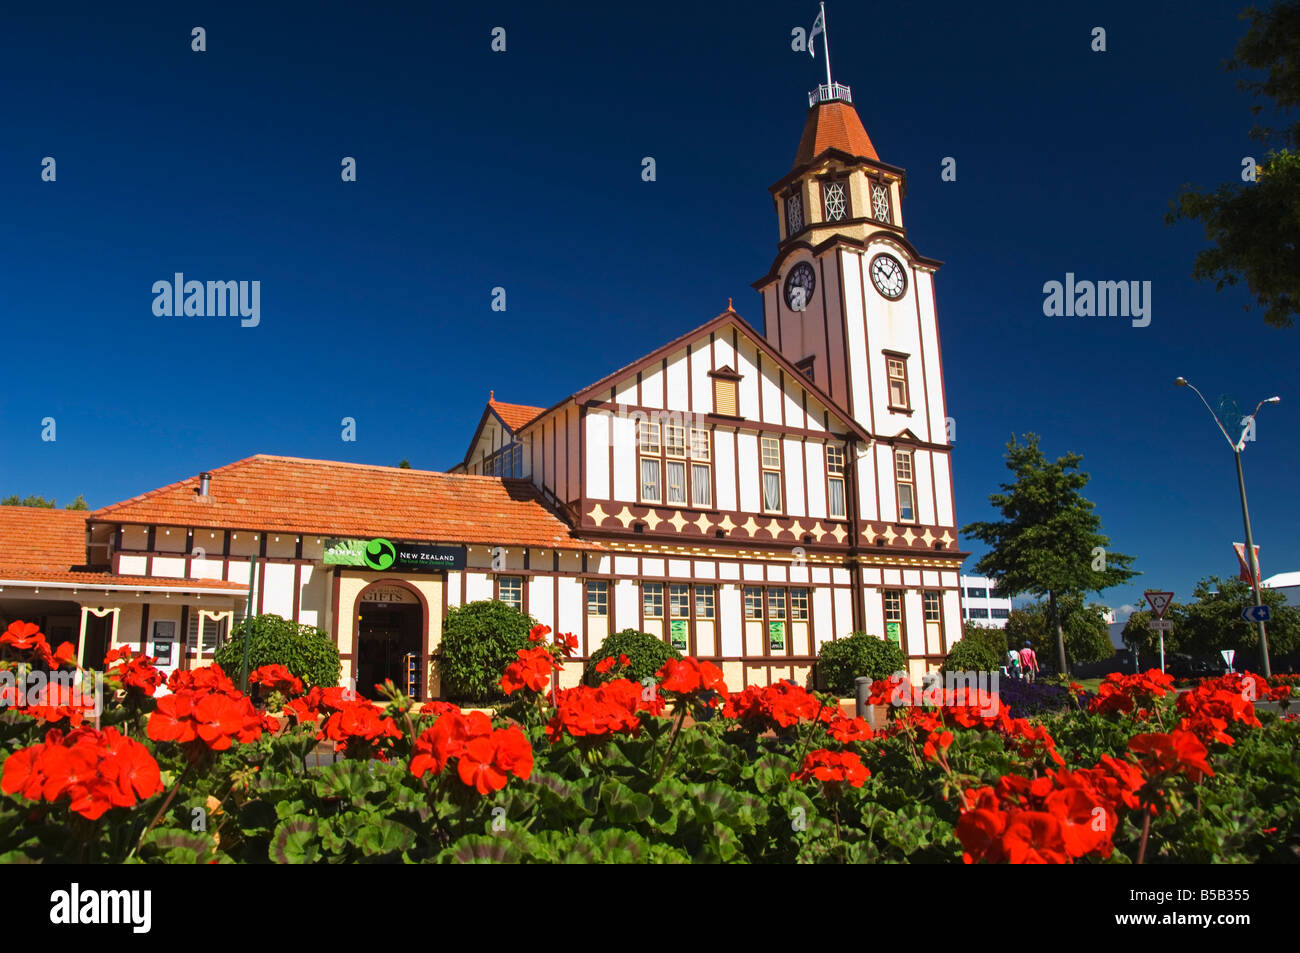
479 169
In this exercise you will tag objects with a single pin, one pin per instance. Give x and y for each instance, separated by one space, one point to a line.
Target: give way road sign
1159 602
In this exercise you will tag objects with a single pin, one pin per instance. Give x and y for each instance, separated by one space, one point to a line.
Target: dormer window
880 202
725 384
835 201
793 214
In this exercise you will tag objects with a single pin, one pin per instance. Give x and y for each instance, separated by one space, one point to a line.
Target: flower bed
672 769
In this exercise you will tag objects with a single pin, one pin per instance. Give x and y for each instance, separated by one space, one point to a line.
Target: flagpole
826 45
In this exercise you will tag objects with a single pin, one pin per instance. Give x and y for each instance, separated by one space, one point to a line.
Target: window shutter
724 398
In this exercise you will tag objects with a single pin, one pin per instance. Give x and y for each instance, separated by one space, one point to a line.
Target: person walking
1028 663
1012 664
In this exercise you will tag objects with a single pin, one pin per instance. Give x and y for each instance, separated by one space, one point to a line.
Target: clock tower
851 303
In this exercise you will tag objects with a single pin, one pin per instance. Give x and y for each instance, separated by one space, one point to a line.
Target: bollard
861 691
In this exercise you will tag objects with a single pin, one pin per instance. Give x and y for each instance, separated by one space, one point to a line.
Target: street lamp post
1251 561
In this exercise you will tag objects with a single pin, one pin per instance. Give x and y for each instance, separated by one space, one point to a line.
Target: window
668 467
975 593
510 590
930 605
724 392
771 453
652 600
506 462
894 616
979 613
1001 613
835 481
704 602
880 202
793 214
798 605
597 597
651 464
906 486
214 633
679 601
896 365
701 470
776 605
753 602
835 202
805 367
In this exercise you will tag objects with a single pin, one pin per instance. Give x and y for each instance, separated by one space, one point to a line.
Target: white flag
818 27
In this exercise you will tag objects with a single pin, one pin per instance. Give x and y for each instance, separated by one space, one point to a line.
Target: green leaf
296 841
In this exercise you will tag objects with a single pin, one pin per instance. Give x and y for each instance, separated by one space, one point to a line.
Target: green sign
677 633
383 555
776 635
894 632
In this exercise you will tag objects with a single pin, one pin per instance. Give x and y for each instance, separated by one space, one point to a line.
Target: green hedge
479 639
645 653
305 650
981 649
841 661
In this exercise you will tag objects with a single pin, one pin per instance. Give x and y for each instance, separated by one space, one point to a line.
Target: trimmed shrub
646 653
479 639
841 661
305 650
981 649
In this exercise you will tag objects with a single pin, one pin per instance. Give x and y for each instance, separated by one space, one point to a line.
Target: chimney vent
205 483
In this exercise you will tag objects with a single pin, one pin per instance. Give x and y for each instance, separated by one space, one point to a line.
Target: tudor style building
746 496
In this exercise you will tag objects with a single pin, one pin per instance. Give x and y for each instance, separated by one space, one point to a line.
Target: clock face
799 286
888 276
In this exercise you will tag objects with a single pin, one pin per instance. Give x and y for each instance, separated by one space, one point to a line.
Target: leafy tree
646 654
405 464
1254 225
39 501
1087 637
1049 542
1213 622
982 649
1138 634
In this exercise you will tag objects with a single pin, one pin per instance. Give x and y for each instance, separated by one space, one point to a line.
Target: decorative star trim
797 528
774 528
652 519
677 520
946 539
889 535
598 514
908 536
726 525
818 532
928 537
625 517
838 533
749 526
704 523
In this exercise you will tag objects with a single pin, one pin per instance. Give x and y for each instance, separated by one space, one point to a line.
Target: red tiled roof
833 125
44 545
327 497
514 415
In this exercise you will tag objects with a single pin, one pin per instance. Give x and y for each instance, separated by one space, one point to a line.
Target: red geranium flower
846 730
92 770
689 675
833 768
538 633
532 670
277 678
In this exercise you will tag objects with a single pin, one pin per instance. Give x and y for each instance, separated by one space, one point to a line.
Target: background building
981 605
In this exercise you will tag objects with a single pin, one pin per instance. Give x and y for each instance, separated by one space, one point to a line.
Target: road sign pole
1252 562
1162 650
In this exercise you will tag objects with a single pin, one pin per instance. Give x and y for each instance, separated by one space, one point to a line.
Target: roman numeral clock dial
888 276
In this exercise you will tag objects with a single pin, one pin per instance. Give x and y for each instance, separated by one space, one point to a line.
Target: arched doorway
390 636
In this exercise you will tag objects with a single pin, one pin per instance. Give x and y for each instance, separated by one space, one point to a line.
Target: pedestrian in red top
1028 663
